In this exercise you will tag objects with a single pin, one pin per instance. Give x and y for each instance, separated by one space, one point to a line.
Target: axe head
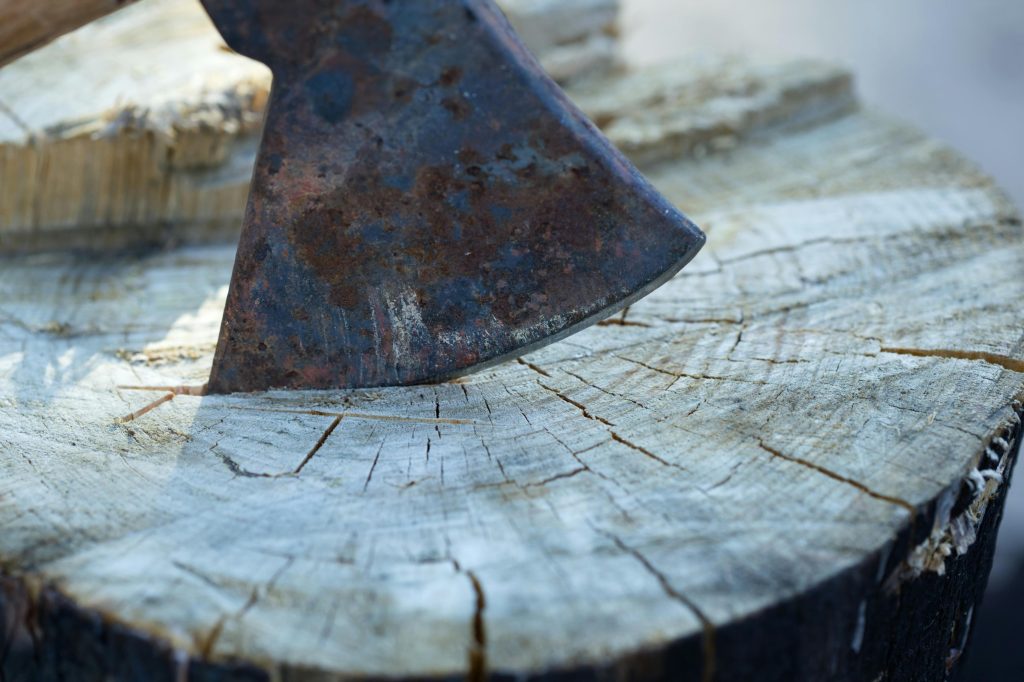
426 201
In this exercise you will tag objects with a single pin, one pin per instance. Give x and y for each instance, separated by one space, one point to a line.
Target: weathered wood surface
786 464
142 128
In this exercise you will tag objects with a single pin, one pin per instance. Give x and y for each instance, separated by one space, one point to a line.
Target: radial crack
629 444
145 410
207 643
238 470
579 406
477 653
373 466
319 444
535 368
604 390
708 628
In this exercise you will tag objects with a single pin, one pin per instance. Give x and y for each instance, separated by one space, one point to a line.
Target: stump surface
788 461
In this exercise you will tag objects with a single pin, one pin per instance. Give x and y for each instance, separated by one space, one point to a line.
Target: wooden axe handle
29 24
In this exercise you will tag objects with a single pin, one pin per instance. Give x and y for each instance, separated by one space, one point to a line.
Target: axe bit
425 200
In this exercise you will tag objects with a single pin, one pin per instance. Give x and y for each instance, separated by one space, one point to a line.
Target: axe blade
425 201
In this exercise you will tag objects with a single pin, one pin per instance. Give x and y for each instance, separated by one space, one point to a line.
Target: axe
425 200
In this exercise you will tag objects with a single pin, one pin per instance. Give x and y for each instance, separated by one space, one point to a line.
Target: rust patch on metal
425 201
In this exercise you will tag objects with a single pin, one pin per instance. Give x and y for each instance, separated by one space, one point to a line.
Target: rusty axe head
426 201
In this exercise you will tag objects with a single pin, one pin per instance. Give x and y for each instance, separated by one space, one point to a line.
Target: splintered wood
785 464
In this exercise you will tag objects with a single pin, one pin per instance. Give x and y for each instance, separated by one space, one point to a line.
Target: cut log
786 464
141 129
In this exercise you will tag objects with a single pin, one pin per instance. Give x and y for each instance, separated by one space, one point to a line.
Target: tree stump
786 464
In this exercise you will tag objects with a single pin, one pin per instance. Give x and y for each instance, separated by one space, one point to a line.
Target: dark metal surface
425 201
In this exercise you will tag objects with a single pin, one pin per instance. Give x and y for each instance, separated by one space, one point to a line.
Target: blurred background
955 70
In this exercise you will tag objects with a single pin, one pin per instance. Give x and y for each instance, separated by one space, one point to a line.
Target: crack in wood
359 415
622 323
603 390
1004 361
708 628
236 468
688 375
373 466
193 390
629 444
792 361
911 509
518 407
576 456
478 652
579 406
732 472
790 248
144 410
539 370
501 467
556 477
191 570
319 444
206 644
736 343
701 320
172 392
